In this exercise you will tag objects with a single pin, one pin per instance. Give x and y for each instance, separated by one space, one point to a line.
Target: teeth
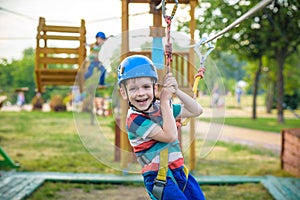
141 100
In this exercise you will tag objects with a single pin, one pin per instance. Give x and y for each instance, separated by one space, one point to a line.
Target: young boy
151 128
93 57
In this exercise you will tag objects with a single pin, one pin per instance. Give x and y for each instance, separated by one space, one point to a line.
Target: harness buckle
158 188
160 183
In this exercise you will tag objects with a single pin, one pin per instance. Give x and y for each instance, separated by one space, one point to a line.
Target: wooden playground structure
45 55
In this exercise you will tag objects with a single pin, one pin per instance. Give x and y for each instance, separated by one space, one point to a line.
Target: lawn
50 142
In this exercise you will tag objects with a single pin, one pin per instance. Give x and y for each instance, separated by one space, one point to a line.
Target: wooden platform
19 185
282 188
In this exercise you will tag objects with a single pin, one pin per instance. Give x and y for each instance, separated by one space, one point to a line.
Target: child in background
151 127
94 60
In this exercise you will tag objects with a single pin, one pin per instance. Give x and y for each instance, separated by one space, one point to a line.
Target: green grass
247 191
45 142
235 159
263 124
41 141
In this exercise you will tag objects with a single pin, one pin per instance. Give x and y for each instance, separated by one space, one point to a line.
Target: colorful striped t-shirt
139 126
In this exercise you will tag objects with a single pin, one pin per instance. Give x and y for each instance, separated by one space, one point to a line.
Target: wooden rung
58 82
54 72
58 37
58 60
58 77
58 50
65 29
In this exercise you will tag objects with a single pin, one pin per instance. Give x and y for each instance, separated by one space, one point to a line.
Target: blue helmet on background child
136 66
101 35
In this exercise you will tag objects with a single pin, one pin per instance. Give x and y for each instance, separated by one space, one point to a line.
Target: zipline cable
253 10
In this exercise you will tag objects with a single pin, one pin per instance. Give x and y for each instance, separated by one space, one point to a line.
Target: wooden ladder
59 65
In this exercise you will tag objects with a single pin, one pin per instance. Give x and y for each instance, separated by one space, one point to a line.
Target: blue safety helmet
101 35
136 66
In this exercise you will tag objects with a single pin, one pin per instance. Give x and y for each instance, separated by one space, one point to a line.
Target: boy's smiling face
140 92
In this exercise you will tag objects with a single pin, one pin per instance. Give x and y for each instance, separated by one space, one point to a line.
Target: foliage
17 74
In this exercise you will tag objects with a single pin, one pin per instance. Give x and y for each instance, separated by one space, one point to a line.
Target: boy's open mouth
142 101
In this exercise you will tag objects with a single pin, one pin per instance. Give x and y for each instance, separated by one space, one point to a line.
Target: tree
284 24
272 32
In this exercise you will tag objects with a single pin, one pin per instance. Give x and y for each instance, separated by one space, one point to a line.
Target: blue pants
173 190
90 71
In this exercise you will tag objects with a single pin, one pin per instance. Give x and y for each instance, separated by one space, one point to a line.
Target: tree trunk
255 89
270 96
280 88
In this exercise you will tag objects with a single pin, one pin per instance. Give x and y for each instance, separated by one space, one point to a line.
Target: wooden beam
193 161
57 71
58 50
47 60
44 83
58 37
157 1
65 29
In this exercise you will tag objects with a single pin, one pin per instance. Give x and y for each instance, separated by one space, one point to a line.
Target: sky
19 20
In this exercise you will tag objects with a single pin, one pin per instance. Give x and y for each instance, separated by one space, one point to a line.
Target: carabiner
164 3
210 48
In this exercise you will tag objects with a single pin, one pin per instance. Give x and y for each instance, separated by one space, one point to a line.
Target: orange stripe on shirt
144 145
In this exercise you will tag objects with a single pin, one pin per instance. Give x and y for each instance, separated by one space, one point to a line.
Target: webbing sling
161 178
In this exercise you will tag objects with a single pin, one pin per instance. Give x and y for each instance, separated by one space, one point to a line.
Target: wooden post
192 164
81 56
124 142
157 32
37 54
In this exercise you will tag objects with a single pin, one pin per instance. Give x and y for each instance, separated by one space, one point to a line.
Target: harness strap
163 173
161 179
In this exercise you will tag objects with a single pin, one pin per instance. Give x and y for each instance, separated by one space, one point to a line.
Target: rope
168 46
203 58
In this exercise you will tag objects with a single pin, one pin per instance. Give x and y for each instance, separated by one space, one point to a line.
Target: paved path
264 139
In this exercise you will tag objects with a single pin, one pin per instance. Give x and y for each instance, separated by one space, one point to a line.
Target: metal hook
210 48
164 8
